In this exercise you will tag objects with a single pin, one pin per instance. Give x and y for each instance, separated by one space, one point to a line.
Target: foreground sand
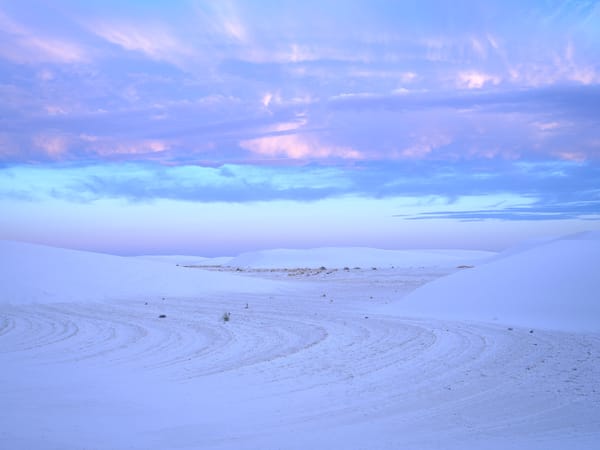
318 363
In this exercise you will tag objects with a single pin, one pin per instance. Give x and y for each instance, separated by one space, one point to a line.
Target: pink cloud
108 147
572 156
59 146
24 45
53 145
296 146
473 79
7 146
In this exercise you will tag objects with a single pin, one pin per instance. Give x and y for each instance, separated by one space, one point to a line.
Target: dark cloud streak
554 190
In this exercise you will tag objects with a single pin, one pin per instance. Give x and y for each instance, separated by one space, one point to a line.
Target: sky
218 127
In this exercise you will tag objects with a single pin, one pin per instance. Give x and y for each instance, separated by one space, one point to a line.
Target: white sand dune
37 273
309 363
554 284
339 257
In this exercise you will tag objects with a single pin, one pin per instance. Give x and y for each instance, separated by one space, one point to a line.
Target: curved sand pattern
290 371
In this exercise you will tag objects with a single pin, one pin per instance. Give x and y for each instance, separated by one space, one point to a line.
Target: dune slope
553 285
37 273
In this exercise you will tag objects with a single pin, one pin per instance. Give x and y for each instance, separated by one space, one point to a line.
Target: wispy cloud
22 44
422 146
538 211
224 19
155 41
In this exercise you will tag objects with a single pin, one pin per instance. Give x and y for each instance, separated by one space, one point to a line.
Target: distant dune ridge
339 257
552 284
186 260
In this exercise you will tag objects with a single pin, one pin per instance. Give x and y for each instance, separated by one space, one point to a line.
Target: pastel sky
216 127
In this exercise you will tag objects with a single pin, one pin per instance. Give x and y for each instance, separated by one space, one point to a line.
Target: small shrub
226 316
